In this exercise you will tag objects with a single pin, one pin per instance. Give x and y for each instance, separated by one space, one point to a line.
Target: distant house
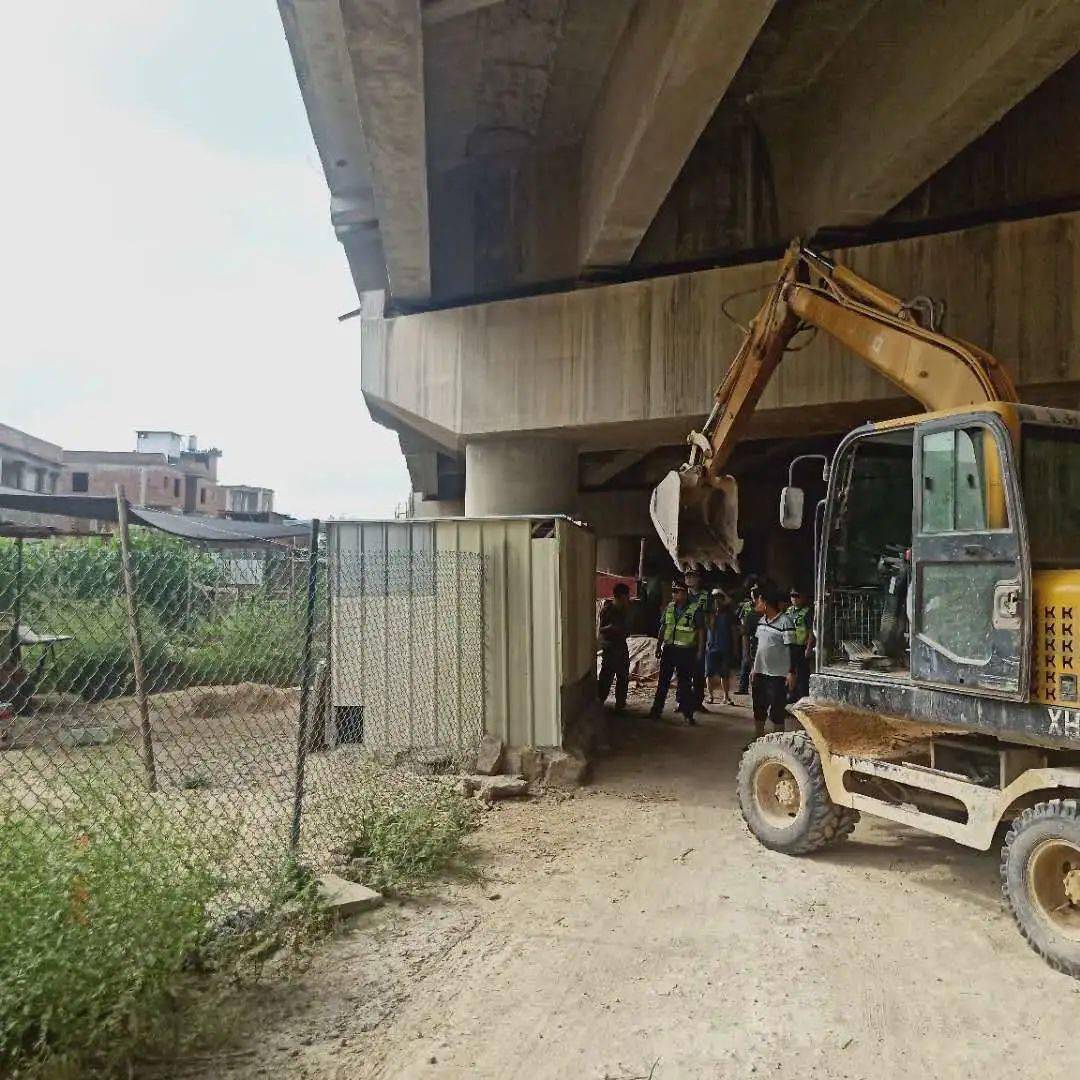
165 471
28 463
247 503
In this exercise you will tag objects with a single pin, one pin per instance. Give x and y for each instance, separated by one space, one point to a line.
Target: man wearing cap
747 617
679 646
802 618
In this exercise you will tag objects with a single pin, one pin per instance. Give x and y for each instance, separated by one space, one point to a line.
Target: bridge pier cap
520 475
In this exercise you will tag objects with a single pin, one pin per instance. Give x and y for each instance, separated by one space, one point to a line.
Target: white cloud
154 276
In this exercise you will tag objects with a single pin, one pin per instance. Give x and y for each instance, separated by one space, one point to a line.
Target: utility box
443 630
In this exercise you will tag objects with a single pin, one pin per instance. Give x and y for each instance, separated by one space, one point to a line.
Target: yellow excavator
947 548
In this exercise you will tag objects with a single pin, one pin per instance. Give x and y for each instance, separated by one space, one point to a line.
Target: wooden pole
135 642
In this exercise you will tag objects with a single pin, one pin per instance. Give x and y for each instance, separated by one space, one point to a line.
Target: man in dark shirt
748 621
611 637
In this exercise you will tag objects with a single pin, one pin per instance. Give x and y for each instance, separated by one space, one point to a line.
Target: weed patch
109 932
405 832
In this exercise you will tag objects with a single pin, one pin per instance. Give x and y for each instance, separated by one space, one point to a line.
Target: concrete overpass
546 205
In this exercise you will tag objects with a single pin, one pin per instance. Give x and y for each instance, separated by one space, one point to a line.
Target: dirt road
637 930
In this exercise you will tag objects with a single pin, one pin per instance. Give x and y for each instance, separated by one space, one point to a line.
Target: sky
168 260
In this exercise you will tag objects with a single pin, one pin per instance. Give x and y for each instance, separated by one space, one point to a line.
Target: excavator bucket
697 519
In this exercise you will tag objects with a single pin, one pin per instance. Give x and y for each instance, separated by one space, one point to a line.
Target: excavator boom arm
693 509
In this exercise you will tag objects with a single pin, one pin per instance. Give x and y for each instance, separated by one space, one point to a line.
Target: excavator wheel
1040 879
783 797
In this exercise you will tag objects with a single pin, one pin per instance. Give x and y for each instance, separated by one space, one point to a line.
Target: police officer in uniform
699 597
680 645
802 616
748 620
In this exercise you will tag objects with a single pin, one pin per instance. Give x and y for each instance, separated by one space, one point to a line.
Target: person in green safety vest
801 613
679 645
699 597
747 617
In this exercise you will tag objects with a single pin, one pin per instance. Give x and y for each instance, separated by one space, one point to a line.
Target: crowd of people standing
707 639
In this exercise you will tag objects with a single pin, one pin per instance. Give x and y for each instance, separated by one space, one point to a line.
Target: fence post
305 684
15 642
135 642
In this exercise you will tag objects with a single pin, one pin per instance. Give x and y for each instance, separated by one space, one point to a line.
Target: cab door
971 590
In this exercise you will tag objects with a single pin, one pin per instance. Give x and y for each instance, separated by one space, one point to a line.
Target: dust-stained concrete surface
637 929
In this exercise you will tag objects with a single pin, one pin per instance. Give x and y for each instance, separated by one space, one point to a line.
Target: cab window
866 560
1051 478
961 486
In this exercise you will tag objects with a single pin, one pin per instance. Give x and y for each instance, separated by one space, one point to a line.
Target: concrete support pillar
618 555
419 507
520 476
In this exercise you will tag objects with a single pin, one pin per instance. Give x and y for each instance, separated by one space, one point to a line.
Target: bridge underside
557 212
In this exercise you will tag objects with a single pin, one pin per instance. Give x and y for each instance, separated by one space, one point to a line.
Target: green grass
260 641
115 944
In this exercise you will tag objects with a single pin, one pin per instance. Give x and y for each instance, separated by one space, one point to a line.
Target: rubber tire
820 822
1043 821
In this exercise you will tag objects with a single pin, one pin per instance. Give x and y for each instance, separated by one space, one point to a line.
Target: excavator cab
923 573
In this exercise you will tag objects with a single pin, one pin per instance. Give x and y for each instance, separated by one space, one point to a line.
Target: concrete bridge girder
634 365
473 146
903 97
522 388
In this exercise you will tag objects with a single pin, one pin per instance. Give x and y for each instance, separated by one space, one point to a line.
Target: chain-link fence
198 692
407 646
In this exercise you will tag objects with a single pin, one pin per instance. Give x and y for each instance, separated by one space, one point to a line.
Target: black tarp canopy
103 508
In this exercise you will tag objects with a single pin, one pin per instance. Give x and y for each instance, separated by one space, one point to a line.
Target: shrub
260 640
97 925
169 572
195 627
96 662
406 837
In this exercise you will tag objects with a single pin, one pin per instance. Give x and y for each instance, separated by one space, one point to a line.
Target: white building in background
242 500
28 463
166 471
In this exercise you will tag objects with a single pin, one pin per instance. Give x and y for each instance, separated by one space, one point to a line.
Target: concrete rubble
491 788
565 770
346 898
88 736
489 756
505 772
531 765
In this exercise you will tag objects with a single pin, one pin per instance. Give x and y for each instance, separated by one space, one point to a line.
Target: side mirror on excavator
792 500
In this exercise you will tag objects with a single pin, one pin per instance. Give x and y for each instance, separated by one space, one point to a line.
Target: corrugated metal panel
545 669
392 652
577 585
536 624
